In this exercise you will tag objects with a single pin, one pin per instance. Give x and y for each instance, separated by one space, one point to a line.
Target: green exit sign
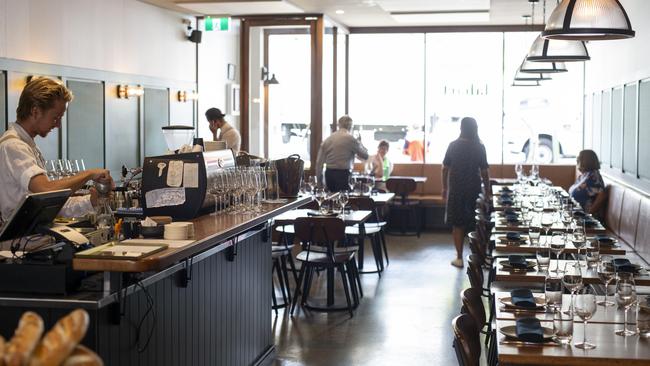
217 24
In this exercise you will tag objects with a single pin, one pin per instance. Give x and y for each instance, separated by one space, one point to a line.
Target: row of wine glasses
63 168
238 190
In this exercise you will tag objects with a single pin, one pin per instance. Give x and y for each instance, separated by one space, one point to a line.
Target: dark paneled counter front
207 303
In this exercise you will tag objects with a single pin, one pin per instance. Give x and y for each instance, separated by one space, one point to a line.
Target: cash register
47 268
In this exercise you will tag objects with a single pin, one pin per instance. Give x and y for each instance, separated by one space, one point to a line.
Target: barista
22 168
227 132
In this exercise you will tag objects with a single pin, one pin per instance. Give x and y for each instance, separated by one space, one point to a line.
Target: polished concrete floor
403 319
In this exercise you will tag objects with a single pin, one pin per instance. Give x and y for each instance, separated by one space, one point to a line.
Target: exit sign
217 24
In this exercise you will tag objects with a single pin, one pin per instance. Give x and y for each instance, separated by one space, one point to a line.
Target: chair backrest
401 186
471 298
476 247
467 339
320 234
474 271
366 204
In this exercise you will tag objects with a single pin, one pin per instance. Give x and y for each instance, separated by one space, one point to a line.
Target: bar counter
206 303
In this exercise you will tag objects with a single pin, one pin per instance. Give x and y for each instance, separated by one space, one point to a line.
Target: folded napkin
522 297
529 330
505 195
512 218
509 211
517 261
505 201
513 236
506 189
604 239
623 265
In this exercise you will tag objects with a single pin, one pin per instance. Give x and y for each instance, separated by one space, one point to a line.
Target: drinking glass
563 326
557 246
643 317
519 171
572 281
625 297
352 183
311 182
344 197
579 240
534 172
606 274
592 254
216 190
547 223
585 308
553 293
534 232
543 256
319 195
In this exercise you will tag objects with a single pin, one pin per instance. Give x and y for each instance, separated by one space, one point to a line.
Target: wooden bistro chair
403 207
467 342
319 236
370 229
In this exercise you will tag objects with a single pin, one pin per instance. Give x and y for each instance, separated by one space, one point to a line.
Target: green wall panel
644 129
596 122
606 127
85 127
629 129
156 115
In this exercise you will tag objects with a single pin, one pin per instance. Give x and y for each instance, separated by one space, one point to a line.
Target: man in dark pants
337 153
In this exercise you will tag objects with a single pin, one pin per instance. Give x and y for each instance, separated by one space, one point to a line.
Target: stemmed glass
579 240
606 274
216 190
352 183
626 298
557 247
343 198
585 308
572 281
547 223
319 195
519 170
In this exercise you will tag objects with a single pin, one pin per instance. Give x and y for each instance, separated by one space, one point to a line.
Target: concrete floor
403 319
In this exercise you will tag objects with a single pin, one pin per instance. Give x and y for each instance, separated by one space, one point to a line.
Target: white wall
216 51
618 62
125 36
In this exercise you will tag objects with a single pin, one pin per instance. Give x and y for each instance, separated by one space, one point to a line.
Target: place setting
518 263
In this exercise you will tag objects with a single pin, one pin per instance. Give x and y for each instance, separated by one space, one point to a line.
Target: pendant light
557 50
588 20
519 76
529 67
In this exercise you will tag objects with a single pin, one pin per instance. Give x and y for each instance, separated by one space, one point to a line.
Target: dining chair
466 340
319 236
403 207
369 229
472 301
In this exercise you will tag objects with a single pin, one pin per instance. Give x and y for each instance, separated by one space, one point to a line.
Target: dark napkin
517 261
512 218
505 201
529 330
506 189
604 239
513 236
623 265
579 214
505 195
589 222
522 297
509 211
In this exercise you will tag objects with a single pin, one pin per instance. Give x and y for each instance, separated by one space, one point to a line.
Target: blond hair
41 93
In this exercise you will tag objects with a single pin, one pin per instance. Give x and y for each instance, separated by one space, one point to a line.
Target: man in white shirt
22 168
227 133
337 153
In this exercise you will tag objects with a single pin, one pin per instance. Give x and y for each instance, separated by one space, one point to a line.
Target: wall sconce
184 96
265 77
129 91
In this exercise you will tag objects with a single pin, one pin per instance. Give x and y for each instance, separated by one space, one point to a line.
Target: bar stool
318 236
405 208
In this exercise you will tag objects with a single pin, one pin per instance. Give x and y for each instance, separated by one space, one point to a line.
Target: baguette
82 356
2 351
59 342
22 344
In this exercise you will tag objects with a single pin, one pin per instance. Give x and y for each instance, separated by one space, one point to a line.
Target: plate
529 265
321 214
504 239
539 300
510 331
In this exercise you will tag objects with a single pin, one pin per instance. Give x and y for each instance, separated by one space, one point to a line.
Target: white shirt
20 161
231 136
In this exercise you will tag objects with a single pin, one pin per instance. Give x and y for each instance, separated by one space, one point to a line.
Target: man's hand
213 128
101 176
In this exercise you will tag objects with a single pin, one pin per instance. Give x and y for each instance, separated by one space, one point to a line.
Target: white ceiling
373 13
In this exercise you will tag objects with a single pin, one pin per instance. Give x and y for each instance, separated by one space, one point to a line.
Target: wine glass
579 240
311 182
572 281
352 182
606 274
216 190
547 223
343 198
519 171
319 195
557 246
585 308
625 297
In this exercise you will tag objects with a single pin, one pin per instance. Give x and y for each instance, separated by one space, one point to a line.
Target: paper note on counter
175 173
191 175
170 243
164 197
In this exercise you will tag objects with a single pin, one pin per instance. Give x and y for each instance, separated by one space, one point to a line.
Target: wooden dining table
351 218
503 245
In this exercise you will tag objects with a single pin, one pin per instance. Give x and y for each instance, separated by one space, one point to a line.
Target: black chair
279 255
372 229
404 208
466 340
319 236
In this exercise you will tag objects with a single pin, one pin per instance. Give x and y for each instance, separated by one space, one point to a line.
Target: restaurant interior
203 250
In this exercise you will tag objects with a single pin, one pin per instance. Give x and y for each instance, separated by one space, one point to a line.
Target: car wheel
544 153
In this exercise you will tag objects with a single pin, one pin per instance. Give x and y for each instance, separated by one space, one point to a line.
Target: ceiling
374 13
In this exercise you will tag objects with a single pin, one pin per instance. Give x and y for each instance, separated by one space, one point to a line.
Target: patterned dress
465 160
586 188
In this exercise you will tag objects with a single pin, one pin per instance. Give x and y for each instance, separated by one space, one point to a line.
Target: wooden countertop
209 232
